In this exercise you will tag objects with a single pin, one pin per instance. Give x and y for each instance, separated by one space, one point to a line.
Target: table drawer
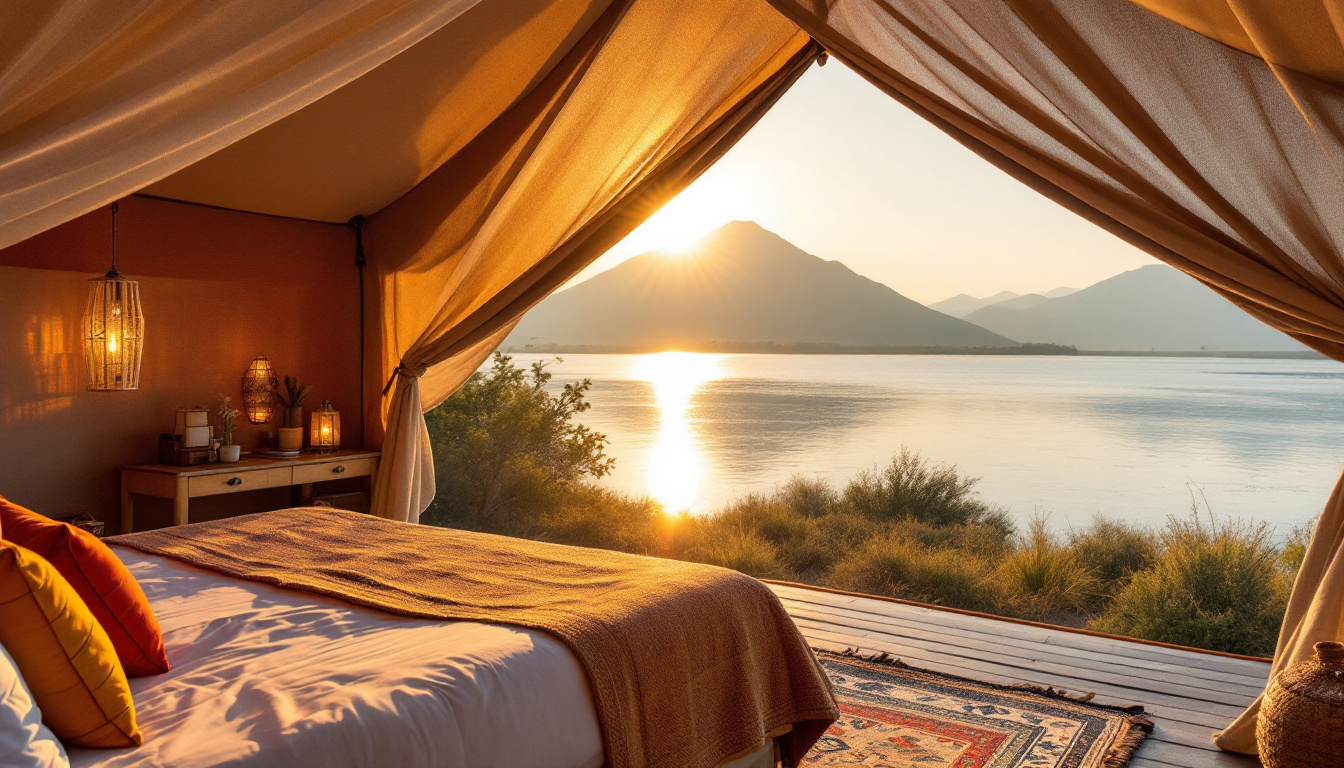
333 470
212 485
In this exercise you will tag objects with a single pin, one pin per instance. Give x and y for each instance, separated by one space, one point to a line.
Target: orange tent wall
218 288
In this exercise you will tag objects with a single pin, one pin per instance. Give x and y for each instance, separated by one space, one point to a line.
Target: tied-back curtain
100 99
646 101
1203 155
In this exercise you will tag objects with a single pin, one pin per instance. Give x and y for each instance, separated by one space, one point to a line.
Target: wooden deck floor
1188 695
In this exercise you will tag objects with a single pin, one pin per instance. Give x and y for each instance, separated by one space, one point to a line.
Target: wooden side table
181 484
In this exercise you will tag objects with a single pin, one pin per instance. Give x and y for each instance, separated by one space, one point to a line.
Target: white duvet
269 677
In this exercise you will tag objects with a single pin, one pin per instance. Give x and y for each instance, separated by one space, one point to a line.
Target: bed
270 676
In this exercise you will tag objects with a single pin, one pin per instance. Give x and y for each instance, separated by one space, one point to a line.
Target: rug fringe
1135 712
1122 751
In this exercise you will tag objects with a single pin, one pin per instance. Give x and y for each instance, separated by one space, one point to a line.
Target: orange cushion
62 653
100 578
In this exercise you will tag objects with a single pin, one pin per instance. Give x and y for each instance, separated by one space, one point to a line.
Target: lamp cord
115 206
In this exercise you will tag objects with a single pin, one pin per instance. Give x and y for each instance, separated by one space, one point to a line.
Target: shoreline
758 348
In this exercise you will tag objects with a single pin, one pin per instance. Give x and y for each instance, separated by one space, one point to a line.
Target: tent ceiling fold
1303 35
99 100
359 148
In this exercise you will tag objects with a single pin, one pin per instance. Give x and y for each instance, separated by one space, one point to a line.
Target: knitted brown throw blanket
689 665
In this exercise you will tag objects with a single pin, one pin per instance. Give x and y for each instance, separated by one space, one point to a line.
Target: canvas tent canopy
496 147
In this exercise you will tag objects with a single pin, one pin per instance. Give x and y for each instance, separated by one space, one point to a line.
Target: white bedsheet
269 677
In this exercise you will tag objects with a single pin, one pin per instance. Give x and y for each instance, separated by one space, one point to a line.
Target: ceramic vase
291 438
230 453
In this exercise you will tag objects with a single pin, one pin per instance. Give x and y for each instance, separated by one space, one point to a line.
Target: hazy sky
846 173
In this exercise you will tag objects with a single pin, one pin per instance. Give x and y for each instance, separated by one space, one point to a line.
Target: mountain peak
740 283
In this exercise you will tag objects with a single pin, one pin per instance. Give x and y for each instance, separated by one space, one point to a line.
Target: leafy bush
1216 585
1295 548
503 443
909 487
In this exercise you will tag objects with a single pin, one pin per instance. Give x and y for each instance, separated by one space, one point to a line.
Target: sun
678 227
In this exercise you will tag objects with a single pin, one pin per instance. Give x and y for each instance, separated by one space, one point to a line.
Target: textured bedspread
688 665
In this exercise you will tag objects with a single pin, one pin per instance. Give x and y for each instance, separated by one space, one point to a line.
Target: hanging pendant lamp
114 328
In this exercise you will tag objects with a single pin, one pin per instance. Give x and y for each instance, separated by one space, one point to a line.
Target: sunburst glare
676 467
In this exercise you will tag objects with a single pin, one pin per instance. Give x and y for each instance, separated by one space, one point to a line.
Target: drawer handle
235 481
337 470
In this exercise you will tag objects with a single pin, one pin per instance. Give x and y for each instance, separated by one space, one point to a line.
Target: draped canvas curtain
610 134
99 100
1207 157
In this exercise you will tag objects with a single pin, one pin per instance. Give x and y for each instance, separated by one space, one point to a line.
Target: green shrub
1216 585
1295 548
1044 578
898 567
1114 551
503 444
909 487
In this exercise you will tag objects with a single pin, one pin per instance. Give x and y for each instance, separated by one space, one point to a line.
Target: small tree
503 442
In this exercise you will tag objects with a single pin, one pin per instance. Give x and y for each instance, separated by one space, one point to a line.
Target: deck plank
1187 694
1186 658
1250 676
1242 690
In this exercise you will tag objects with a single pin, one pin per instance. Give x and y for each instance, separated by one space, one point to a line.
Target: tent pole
357 223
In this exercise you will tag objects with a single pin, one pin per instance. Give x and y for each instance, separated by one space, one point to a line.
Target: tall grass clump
897 567
741 550
1216 585
1046 577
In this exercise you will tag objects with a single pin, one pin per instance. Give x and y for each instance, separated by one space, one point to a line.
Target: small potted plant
228 419
291 435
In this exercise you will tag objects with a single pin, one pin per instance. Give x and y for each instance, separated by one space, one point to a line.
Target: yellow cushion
63 654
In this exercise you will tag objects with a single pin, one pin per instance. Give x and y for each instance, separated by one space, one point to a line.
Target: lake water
1070 436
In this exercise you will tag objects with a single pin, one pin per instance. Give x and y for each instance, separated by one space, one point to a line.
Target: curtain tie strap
406 372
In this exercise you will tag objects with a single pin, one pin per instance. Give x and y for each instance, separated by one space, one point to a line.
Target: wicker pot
1301 723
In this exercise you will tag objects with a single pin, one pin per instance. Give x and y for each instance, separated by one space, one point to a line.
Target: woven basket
1301 722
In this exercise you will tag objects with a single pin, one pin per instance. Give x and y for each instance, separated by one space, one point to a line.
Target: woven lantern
325 434
114 328
259 385
1301 721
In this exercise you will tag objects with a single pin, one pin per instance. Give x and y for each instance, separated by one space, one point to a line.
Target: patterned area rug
893 716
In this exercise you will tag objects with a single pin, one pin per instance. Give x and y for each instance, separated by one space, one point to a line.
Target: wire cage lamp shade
259 385
114 328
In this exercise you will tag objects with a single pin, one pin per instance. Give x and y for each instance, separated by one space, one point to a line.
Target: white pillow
24 741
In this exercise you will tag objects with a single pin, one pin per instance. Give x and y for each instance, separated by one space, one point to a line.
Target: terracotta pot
230 453
291 438
1301 722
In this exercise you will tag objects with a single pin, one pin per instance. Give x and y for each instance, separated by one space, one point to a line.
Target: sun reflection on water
676 467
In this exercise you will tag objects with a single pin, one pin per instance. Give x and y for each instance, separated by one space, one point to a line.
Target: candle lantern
325 434
114 328
259 385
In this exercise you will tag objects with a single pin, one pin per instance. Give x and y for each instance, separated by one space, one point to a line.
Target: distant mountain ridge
742 283
1152 308
964 304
